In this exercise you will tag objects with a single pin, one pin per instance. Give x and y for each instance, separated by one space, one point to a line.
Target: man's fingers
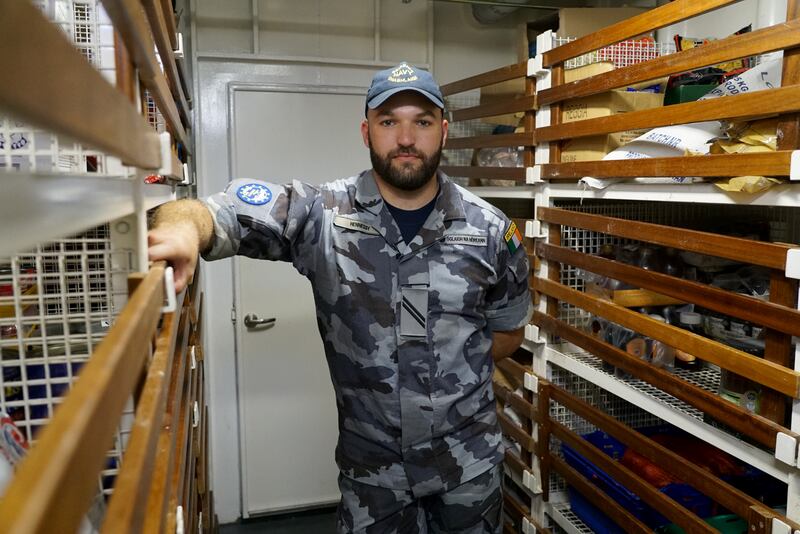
161 251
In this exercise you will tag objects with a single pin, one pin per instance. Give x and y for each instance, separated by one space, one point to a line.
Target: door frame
233 89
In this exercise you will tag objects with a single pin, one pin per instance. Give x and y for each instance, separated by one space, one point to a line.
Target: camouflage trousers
474 507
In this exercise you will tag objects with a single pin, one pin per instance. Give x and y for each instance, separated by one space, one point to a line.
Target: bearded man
419 286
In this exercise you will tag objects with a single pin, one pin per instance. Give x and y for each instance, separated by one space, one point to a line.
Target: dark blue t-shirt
410 221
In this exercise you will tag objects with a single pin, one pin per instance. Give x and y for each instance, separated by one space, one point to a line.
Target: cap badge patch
255 194
403 74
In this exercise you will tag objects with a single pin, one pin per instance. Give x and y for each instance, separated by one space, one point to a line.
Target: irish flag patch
513 238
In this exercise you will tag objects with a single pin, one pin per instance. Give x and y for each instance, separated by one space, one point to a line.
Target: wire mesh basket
622 54
56 304
26 148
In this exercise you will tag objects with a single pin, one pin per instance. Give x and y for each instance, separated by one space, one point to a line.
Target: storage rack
79 147
555 342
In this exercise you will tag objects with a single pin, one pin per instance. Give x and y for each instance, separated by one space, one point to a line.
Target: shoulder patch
352 224
254 194
513 238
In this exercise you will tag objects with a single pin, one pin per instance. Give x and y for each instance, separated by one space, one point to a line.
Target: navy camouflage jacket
407 328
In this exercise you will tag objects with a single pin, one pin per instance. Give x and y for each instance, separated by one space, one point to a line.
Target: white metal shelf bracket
531 382
179 53
793 263
532 334
527 527
533 175
195 415
542 153
786 448
179 527
533 229
543 119
779 527
536 67
169 291
532 481
794 167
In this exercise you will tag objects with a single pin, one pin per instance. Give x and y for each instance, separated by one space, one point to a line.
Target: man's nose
405 135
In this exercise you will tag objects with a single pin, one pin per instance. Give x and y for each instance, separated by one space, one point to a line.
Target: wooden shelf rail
739 419
704 481
779 316
593 494
512 105
769 255
503 74
482 141
742 106
56 482
158 23
131 22
676 11
752 309
780 37
524 103
769 374
777 164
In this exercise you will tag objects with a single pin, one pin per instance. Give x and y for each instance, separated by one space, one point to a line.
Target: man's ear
365 132
445 127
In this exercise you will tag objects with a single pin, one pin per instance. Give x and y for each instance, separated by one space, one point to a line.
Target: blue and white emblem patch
255 194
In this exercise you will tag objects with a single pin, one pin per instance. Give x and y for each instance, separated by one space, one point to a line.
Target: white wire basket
25 148
622 54
56 304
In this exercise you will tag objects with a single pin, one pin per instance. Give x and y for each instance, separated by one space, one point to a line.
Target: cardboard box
580 21
609 103
602 105
587 71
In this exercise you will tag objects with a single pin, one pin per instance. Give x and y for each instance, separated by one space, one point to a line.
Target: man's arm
181 230
504 344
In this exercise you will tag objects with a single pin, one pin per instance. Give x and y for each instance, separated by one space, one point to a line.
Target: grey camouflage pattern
413 386
474 507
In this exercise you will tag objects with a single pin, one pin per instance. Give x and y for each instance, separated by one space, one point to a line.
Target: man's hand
178 244
504 344
181 230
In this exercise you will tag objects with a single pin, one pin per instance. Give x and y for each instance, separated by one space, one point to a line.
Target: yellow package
746 184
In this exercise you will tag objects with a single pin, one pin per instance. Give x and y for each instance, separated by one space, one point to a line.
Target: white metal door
287 411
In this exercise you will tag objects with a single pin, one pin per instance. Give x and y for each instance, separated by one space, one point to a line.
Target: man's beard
406 177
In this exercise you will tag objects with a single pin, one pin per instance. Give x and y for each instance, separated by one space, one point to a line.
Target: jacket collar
449 206
448 202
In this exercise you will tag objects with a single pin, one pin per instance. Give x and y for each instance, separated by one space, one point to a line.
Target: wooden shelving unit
151 356
564 235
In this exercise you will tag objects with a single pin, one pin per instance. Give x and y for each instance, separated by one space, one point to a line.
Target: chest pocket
461 273
353 256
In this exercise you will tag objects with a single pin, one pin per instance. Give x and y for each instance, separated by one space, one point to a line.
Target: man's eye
424 123
387 122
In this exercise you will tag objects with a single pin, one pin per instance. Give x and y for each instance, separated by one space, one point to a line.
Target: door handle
252 321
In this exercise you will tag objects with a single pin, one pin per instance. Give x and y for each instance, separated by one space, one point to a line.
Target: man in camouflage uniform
418 285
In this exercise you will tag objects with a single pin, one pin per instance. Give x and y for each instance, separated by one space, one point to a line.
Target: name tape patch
351 224
466 239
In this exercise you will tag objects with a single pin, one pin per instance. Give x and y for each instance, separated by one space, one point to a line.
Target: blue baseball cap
403 77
